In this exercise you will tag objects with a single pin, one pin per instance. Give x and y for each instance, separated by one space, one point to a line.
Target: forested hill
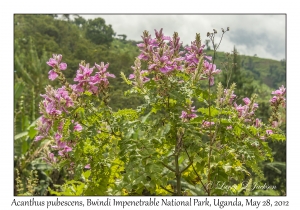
37 37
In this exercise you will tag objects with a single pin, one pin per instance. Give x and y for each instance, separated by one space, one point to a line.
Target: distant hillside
94 41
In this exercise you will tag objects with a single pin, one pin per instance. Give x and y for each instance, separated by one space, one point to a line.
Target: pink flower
208 57
255 106
51 157
58 136
188 114
207 124
102 67
231 97
229 127
38 138
183 114
110 75
247 101
60 144
57 57
257 122
279 97
142 56
284 103
166 38
67 149
141 45
77 127
52 75
43 126
131 76
52 62
64 150
210 70
159 34
63 66
146 79
269 132
273 100
55 63
166 69
88 166
279 92
274 124
51 109
211 81
152 66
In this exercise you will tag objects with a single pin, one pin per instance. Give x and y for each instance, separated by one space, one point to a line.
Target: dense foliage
94 140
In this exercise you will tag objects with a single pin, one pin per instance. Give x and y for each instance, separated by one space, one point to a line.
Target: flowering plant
183 140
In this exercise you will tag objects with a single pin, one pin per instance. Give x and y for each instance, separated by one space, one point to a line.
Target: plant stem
178 176
178 147
209 117
210 141
211 137
195 170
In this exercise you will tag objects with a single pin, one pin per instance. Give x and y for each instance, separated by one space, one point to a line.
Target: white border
154 6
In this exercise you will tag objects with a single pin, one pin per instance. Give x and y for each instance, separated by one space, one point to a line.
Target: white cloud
263 35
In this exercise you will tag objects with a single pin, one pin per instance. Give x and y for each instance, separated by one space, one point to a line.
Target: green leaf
128 82
197 120
79 189
129 133
42 166
226 122
88 93
247 131
248 187
32 132
213 111
20 135
87 174
181 159
166 129
236 189
145 117
53 192
25 147
19 87
278 137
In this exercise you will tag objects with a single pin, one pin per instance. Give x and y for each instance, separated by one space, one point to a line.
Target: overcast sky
263 35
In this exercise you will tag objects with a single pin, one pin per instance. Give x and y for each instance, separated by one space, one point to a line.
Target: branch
186 167
196 171
168 167
167 190
221 40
